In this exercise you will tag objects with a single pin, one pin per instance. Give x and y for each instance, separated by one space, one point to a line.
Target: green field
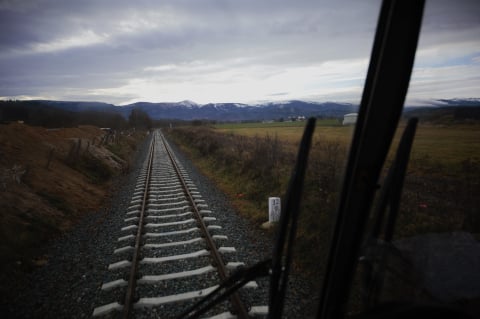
447 144
291 132
234 126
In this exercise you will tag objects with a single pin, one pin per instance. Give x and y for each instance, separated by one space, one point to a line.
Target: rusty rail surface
132 281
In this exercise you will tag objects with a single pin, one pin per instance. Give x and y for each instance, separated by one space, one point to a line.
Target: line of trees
139 119
36 113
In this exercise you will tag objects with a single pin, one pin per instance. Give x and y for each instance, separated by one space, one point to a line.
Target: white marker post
274 209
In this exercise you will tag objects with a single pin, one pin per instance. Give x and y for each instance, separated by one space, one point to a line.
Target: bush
259 167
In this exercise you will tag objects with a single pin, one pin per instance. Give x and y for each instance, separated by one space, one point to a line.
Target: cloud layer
222 51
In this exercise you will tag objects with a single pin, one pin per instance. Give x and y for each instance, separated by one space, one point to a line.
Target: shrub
259 167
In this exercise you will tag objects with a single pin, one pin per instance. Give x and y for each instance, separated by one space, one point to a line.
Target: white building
350 118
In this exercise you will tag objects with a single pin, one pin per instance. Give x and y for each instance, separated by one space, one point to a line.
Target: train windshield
432 254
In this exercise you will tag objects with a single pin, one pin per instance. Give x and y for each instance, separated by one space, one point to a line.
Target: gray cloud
53 48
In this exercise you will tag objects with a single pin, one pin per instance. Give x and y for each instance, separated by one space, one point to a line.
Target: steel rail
132 281
238 305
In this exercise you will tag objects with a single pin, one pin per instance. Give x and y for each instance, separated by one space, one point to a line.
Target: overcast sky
124 51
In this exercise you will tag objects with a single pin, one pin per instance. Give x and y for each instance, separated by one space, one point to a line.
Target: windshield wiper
378 244
382 102
279 266
283 249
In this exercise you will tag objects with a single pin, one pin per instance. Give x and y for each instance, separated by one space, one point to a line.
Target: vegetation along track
172 251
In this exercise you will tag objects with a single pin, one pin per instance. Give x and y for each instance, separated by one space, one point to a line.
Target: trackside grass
254 160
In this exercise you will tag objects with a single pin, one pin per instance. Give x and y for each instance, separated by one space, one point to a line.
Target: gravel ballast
68 284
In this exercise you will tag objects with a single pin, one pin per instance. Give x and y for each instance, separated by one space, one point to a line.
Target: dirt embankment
48 180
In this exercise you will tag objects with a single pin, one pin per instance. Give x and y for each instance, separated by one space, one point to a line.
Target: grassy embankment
253 161
49 180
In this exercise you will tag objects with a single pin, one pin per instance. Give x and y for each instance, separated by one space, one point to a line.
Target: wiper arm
278 267
236 281
283 249
382 102
385 217
389 201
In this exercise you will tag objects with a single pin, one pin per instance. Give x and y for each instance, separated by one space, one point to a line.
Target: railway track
171 251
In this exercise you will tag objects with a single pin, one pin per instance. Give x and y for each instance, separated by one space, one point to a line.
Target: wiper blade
283 249
380 110
278 267
234 282
385 216
389 201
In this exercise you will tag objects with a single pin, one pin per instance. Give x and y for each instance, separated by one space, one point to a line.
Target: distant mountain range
242 112
187 110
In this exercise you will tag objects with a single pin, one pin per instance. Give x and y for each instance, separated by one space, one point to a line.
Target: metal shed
350 118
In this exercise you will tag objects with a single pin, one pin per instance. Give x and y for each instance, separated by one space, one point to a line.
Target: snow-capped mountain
188 110
241 112
188 104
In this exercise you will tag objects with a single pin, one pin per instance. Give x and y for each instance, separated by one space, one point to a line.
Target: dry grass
43 192
440 194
